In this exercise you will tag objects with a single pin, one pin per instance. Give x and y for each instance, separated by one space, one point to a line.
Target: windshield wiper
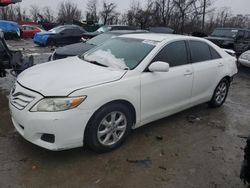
95 63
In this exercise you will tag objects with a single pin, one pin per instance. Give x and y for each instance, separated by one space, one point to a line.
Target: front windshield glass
103 29
230 33
100 39
122 53
57 29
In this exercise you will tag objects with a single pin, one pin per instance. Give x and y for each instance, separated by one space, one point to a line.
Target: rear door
207 65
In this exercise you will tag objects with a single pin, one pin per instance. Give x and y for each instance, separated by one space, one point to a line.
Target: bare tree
108 13
92 10
184 7
165 8
34 12
68 12
48 14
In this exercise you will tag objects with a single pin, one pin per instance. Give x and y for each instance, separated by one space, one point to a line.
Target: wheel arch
126 103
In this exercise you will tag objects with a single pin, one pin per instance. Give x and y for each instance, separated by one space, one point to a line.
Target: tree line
184 16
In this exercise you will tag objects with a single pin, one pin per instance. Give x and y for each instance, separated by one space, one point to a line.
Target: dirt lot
200 147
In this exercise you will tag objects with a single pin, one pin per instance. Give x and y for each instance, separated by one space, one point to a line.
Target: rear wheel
108 128
220 94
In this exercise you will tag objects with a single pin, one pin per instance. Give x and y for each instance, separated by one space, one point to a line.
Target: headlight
57 104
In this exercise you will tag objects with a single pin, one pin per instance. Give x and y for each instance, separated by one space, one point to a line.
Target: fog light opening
48 138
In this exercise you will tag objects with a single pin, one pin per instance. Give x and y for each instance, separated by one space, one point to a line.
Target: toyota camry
97 98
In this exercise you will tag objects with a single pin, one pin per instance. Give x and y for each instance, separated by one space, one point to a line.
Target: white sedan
244 59
97 98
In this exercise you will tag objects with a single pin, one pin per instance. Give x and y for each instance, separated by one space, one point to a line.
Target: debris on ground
146 163
193 119
162 168
159 137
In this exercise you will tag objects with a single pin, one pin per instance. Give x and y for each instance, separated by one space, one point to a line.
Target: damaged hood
62 77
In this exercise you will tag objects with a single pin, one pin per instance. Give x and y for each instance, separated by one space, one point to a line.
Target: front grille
21 100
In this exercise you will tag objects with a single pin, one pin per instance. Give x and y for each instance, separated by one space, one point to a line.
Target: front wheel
108 128
220 94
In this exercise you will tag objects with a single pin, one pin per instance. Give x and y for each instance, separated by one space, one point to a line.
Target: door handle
188 73
220 65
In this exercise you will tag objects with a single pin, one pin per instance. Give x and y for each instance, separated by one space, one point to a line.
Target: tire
220 94
102 134
52 43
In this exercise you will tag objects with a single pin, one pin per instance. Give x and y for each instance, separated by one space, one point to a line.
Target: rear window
214 53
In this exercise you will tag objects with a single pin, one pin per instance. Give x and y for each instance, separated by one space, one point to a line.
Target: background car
29 30
244 59
165 30
11 29
231 38
107 28
82 47
61 35
8 2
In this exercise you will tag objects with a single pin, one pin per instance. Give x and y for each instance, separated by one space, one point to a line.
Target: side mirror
1 34
159 66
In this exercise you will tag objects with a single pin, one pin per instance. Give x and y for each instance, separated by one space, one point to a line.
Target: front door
166 93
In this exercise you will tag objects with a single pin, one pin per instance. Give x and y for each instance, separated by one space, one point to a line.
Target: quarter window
200 51
175 54
214 54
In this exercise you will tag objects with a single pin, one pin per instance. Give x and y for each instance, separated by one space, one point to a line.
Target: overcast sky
237 6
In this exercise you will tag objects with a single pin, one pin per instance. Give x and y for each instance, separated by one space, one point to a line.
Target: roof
156 37
233 29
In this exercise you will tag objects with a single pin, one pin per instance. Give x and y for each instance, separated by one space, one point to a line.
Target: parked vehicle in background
12 59
231 38
98 97
61 35
244 59
11 29
107 28
4 3
165 30
82 47
29 30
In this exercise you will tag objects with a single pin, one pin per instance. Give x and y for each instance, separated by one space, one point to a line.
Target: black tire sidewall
213 102
91 139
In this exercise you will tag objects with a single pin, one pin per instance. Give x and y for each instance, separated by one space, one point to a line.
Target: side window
66 31
214 53
240 35
247 35
200 51
77 32
175 54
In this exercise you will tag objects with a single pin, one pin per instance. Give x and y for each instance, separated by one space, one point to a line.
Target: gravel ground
198 148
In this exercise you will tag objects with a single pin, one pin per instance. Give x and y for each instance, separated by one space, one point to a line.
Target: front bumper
67 126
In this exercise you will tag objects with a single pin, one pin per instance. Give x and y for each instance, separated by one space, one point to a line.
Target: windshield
122 53
100 39
57 29
104 29
230 33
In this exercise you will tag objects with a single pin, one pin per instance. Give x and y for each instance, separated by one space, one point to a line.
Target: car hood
74 49
62 77
219 38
